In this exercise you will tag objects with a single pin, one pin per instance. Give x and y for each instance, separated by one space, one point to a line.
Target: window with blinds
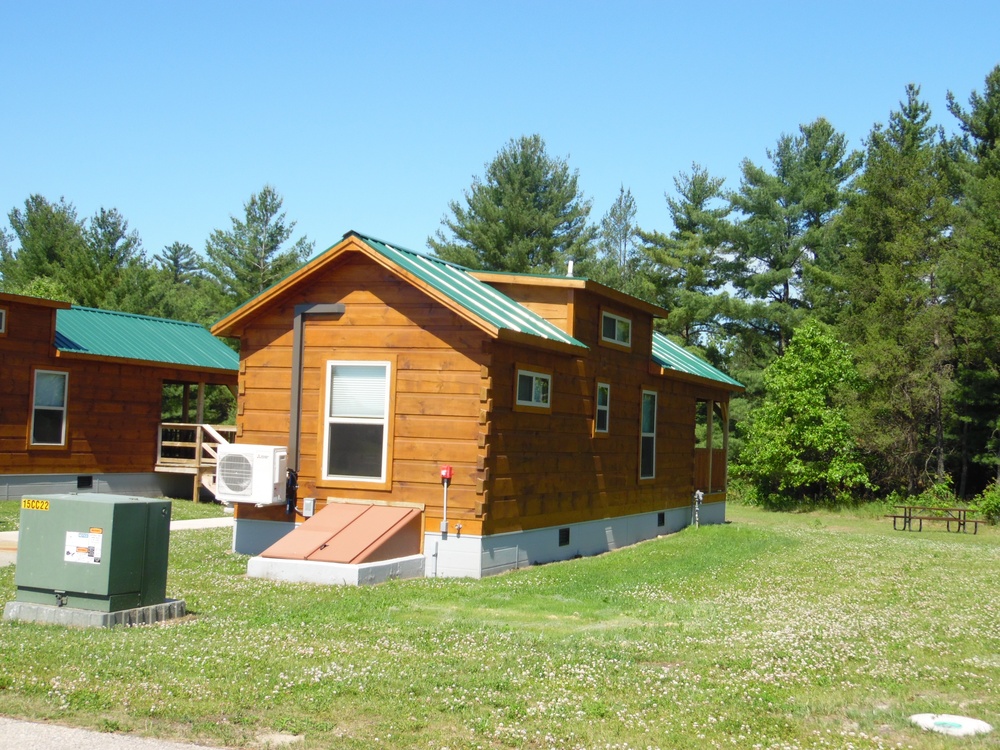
48 416
356 419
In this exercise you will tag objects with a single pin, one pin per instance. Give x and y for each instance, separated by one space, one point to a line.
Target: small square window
564 537
616 330
661 519
533 389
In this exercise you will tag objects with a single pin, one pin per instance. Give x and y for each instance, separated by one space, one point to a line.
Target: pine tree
781 243
972 277
114 257
179 261
525 215
51 245
901 230
685 266
249 257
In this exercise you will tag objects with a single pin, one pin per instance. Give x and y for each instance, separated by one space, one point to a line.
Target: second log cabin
570 425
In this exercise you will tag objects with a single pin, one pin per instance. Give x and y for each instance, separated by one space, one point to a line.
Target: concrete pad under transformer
50 614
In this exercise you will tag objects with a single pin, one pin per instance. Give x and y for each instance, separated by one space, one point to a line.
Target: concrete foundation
470 556
50 614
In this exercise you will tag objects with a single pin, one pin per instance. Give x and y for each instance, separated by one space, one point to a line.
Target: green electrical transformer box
94 551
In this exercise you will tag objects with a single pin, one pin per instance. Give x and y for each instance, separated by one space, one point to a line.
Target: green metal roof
671 356
84 330
476 296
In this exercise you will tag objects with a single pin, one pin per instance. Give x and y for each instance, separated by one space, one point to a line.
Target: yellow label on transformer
30 504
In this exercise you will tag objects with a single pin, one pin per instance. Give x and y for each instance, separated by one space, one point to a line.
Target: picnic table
905 515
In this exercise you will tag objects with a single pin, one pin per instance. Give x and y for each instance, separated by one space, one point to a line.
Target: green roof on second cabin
671 356
105 333
477 297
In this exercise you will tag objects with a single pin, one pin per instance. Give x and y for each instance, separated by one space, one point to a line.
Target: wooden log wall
436 358
551 469
113 407
453 403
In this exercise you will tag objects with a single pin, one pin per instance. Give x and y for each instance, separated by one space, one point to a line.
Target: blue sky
373 116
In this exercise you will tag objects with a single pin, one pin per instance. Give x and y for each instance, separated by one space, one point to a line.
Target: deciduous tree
620 262
800 448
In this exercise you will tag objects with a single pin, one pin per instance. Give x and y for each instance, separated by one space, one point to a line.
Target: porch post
201 404
710 420
724 407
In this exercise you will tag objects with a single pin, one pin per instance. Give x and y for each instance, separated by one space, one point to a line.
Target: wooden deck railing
702 481
187 447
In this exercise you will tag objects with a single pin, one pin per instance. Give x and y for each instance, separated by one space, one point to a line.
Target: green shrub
938 495
987 504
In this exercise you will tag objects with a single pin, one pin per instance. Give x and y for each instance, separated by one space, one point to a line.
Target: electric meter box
95 551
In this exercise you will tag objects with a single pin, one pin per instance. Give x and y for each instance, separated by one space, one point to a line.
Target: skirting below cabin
140 484
469 556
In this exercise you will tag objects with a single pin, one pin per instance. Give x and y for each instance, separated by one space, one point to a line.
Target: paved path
28 735
8 539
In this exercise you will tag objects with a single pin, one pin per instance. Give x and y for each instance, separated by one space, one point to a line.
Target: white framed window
3 321
48 412
647 436
603 408
534 389
356 421
616 329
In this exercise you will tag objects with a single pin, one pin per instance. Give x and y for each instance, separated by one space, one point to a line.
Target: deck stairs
191 448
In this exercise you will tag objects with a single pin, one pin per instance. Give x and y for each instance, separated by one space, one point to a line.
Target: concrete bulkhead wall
330 573
140 484
252 536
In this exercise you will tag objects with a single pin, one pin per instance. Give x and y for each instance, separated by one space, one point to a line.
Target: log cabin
81 397
568 425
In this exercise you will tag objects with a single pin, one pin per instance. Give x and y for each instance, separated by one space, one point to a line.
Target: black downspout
298 344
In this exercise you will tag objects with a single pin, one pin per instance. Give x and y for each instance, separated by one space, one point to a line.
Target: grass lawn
818 630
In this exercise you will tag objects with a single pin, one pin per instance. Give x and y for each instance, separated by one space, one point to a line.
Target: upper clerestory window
616 329
533 390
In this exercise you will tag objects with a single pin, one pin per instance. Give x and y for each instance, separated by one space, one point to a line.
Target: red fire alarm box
446 472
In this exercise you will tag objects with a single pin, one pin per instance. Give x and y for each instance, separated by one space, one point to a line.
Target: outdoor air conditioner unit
251 474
